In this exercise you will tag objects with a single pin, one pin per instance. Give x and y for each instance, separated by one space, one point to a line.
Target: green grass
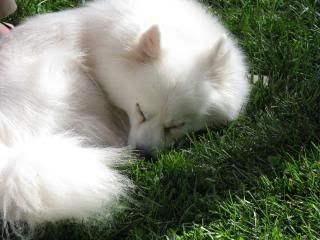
257 178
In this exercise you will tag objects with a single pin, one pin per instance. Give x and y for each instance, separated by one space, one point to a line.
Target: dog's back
52 119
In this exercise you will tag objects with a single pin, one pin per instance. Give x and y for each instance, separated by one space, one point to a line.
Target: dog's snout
144 151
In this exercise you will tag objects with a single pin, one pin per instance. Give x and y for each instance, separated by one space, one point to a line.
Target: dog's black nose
144 151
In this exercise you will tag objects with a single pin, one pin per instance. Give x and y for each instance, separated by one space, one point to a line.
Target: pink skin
4 29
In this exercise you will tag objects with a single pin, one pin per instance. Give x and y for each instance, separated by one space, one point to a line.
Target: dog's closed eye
141 113
174 127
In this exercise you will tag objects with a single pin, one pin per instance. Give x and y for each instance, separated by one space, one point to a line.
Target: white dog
77 86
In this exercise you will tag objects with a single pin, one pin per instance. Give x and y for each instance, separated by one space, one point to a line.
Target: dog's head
169 87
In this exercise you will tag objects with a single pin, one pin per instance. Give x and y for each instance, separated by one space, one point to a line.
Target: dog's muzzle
144 151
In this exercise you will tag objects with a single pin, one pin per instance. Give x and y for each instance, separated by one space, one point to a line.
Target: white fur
75 83
54 177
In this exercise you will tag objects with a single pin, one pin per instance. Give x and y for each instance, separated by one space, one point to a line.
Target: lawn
258 177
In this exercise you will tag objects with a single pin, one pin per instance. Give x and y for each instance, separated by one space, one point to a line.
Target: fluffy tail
56 177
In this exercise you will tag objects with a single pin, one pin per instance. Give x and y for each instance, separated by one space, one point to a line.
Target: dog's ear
149 44
216 58
226 73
